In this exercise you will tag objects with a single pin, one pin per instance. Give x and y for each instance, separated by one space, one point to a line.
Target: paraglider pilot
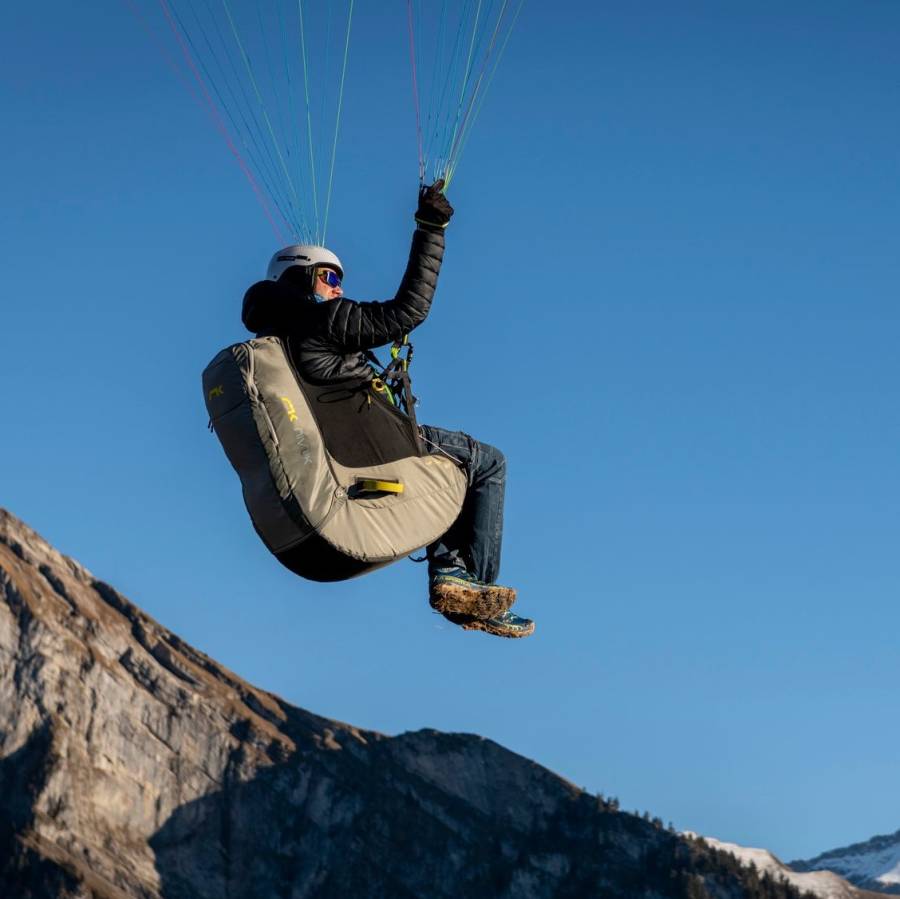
330 335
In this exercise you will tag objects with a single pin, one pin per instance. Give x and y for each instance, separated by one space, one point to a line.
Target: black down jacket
327 340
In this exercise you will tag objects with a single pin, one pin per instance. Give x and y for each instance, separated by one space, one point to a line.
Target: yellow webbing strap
397 346
374 485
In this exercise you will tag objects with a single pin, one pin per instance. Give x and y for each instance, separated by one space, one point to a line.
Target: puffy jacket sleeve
361 326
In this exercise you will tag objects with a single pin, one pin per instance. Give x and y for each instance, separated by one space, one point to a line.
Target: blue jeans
474 540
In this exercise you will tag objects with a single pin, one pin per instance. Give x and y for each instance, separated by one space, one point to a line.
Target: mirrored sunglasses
332 279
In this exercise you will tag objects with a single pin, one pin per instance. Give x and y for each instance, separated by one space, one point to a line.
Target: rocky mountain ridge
871 865
133 766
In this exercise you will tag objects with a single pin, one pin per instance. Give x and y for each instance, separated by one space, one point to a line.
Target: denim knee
492 462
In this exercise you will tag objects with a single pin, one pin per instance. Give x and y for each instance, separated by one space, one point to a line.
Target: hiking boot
459 592
506 624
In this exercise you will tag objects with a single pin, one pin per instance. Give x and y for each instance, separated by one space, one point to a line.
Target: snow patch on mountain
824 884
874 864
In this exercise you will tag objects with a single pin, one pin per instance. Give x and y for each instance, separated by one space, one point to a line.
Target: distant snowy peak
824 884
873 865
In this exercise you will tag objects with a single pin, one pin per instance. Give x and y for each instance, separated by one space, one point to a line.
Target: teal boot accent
506 624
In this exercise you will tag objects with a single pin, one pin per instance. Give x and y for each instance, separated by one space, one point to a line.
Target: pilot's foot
459 592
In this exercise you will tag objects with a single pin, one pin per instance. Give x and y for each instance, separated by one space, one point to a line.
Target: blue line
484 92
264 177
270 180
293 114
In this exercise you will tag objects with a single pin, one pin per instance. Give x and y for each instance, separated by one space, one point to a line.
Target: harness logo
218 390
289 408
301 440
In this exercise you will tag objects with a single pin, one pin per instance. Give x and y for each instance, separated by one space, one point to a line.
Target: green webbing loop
397 346
380 387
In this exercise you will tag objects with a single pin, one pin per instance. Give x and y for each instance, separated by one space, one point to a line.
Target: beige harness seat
333 476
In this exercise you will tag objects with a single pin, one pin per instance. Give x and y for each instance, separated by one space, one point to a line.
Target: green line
444 107
312 157
295 142
265 164
262 104
321 133
468 131
465 84
278 104
337 122
438 57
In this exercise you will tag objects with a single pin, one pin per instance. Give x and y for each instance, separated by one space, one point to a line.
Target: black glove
433 208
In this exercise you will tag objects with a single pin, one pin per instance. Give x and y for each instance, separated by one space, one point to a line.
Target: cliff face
132 765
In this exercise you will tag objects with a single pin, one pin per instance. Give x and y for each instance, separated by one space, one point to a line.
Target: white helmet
304 255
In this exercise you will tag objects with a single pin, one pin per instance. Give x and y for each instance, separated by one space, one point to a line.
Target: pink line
220 125
412 60
173 65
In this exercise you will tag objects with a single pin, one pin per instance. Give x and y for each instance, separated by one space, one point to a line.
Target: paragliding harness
394 383
334 475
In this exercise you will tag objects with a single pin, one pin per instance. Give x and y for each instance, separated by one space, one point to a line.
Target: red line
173 65
220 125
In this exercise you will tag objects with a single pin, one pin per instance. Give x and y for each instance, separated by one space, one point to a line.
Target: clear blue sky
675 260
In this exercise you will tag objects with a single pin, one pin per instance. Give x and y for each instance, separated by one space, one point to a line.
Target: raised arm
362 326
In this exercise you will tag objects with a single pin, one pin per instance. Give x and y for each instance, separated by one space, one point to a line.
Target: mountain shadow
133 766
427 814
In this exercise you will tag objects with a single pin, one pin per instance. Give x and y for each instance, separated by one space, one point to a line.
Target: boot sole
479 624
477 602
